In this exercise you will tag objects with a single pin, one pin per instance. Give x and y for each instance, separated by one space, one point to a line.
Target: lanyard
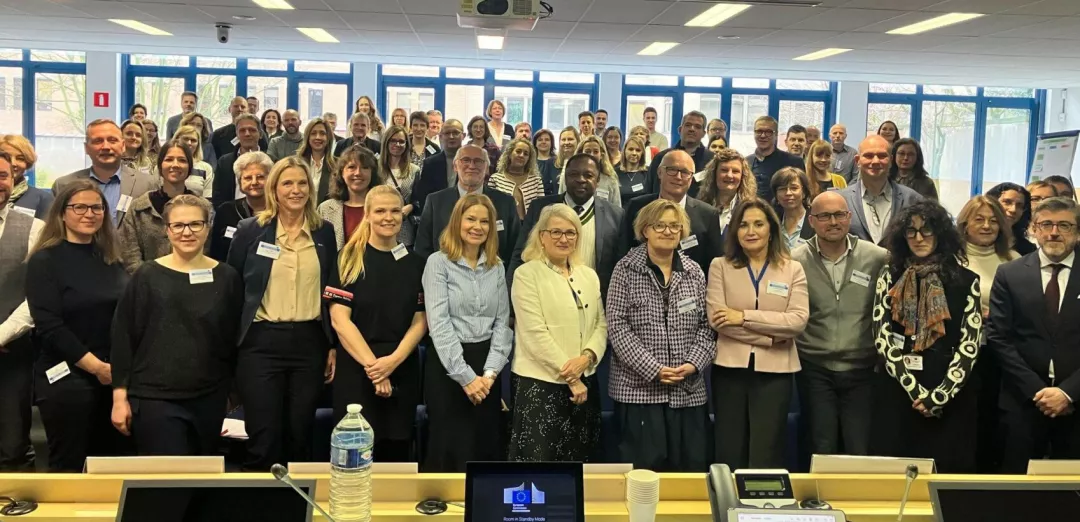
757 280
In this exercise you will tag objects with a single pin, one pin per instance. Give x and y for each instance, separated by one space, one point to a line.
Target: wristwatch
490 375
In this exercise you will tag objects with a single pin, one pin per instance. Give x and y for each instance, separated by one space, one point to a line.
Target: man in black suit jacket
435 175
582 176
691 131
223 139
358 125
249 139
1035 335
440 205
705 241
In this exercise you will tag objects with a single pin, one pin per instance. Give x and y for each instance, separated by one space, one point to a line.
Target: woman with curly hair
1015 201
608 185
728 180
906 168
518 175
928 331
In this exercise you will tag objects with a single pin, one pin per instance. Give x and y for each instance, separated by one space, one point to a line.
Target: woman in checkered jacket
661 341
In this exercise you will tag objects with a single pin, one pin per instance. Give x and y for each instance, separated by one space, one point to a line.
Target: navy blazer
432 179
853 194
255 269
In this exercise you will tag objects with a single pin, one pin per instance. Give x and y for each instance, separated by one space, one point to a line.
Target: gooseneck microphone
911 473
282 474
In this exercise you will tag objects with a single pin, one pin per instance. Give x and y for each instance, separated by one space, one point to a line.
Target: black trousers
751 416
188 427
16 391
661 438
837 407
280 376
1028 434
77 412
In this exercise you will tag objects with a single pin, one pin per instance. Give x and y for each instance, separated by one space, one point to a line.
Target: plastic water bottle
350 467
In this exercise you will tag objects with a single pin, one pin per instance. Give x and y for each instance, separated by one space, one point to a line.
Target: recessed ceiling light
728 37
317 34
657 48
273 4
487 41
824 53
139 26
716 15
246 18
934 23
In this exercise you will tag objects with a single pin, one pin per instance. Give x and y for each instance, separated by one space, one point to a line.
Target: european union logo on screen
521 497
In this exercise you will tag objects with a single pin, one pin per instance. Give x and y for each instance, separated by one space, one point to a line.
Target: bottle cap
353 408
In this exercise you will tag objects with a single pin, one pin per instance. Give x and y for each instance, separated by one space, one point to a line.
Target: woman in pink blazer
757 303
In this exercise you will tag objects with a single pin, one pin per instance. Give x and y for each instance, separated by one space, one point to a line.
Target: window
263 64
745 109
561 109
794 112
518 102
635 113
215 63
59 121
160 60
58 56
11 54
322 67
463 73
703 81
410 70
409 98
1009 92
1008 134
948 143
465 101
216 93
270 91
513 76
950 90
893 88
161 96
898 113
319 98
750 83
651 79
708 104
803 85
567 77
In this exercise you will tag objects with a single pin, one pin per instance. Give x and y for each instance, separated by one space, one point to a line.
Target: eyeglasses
764 132
475 162
80 209
677 172
1063 226
829 216
260 178
925 231
660 227
194 226
397 142
557 234
452 134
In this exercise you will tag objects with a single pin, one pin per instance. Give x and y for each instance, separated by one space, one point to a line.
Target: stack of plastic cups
642 495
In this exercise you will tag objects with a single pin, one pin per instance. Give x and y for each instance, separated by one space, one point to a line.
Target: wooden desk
683 496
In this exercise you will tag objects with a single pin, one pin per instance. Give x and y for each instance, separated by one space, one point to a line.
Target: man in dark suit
358 125
249 139
599 219
471 165
438 170
224 139
691 131
1035 334
874 199
705 241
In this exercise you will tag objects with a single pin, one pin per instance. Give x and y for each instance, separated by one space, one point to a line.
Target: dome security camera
223 33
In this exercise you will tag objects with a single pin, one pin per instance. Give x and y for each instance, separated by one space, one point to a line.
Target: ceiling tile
976 6
588 46
306 18
568 11
1049 8
419 6
436 24
771 17
665 33
595 31
360 6
376 21
845 19
625 11
1064 28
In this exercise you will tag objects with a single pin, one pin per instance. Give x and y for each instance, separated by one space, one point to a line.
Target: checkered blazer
647 334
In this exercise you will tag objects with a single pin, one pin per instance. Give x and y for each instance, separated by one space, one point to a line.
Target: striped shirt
467 305
531 189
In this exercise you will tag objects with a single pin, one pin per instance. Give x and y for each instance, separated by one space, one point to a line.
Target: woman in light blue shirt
468 310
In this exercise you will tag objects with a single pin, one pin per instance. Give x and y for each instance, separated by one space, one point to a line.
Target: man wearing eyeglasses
18 233
1034 333
691 132
845 157
875 199
837 347
767 159
675 172
438 170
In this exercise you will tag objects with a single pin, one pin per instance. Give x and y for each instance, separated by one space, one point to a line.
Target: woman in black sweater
74 279
928 328
174 341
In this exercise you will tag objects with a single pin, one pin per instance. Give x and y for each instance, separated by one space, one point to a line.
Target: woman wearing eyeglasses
74 278
928 322
174 341
142 229
661 342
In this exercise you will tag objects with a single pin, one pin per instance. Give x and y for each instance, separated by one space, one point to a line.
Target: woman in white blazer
561 336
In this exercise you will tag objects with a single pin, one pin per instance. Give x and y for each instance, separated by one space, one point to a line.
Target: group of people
427 261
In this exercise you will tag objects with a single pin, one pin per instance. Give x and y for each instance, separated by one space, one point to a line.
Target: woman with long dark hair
613 139
480 136
1015 201
396 170
357 172
928 327
365 105
791 191
316 150
142 229
906 168
546 154
271 124
889 131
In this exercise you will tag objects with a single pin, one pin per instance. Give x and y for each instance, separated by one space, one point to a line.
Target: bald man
224 139
675 172
837 347
874 199
843 156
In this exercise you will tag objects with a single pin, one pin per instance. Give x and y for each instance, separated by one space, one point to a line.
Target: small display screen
763 485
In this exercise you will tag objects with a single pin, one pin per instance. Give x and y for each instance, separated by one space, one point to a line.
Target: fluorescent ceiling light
139 26
935 23
657 48
317 34
716 15
487 41
273 4
824 53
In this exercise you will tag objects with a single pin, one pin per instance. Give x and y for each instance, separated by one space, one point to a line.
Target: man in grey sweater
837 347
289 142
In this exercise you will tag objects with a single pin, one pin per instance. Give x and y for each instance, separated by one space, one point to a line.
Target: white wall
365 81
1063 113
851 100
103 75
610 97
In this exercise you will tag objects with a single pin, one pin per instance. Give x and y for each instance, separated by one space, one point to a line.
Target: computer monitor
785 515
216 500
961 501
524 491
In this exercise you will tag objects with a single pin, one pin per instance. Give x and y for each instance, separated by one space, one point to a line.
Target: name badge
913 362
230 232
200 173
235 141
430 149
499 225
688 243
687 305
24 211
58 372
602 193
860 278
779 289
700 176
124 203
399 252
268 250
638 187
198 277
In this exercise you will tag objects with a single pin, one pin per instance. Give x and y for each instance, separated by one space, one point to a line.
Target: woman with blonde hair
136 153
613 139
632 170
569 139
203 125
396 170
728 181
818 162
202 172
468 310
518 175
318 140
22 157
286 256
500 131
153 141
365 105
377 309
561 337
642 133
608 186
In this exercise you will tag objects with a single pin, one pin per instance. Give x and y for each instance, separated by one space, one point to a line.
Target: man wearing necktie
1034 332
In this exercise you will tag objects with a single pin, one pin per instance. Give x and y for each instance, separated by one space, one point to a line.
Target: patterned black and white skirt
547 427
